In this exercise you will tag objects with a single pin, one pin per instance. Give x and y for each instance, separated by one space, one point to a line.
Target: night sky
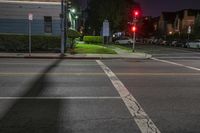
155 7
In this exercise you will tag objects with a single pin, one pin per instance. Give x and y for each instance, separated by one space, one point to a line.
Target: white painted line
177 64
57 98
143 121
184 58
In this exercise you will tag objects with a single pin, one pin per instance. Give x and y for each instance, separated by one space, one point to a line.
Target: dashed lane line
177 64
143 121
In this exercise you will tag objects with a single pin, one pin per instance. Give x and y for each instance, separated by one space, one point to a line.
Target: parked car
164 42
173 43
193 44
160 41
125 40
181 43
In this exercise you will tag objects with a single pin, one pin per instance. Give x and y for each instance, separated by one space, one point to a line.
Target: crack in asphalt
139 114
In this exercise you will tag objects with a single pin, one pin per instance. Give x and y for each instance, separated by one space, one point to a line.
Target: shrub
93 39
72 35
19 43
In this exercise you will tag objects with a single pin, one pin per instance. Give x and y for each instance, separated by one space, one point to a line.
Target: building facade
177 22
14 17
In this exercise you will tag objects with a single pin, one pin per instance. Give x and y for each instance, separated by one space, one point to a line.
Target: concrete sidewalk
121 54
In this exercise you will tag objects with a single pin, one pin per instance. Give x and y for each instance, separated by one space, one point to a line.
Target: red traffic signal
136 13
133 28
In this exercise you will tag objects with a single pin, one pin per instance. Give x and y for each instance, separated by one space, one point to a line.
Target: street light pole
62 28
65 23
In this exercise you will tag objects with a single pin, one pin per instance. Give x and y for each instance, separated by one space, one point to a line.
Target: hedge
19 43
93 39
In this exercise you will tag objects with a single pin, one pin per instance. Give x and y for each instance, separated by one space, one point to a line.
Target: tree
196 29
116 11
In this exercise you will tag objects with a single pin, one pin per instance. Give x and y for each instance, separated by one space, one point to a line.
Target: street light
73 10
73 17
76 17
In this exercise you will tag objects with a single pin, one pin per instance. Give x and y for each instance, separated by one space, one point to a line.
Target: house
14 17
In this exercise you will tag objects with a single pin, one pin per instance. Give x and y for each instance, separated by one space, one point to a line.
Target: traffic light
136 13
133 28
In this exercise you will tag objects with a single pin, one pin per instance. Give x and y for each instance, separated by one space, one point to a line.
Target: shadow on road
33 116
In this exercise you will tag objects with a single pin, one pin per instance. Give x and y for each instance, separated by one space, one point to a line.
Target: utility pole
65 23
62 51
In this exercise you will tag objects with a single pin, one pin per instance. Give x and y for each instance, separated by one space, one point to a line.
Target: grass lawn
121 47
92 49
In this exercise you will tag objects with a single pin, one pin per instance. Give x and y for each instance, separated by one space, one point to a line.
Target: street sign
106 28
30 16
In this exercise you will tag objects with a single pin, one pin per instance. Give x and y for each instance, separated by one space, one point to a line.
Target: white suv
124 40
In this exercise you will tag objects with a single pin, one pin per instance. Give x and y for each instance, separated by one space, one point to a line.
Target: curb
86 58
146 56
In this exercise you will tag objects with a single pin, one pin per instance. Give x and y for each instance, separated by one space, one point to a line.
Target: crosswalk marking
143 121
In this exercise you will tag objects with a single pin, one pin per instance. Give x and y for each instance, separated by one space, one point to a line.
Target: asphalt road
83 96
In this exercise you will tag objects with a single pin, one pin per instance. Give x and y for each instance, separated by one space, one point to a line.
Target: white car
124 41
193 44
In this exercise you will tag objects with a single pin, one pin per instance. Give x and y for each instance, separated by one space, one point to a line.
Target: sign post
106 31
30 19
189 32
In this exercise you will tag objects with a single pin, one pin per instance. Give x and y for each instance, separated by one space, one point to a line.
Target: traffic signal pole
134 38
135 15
